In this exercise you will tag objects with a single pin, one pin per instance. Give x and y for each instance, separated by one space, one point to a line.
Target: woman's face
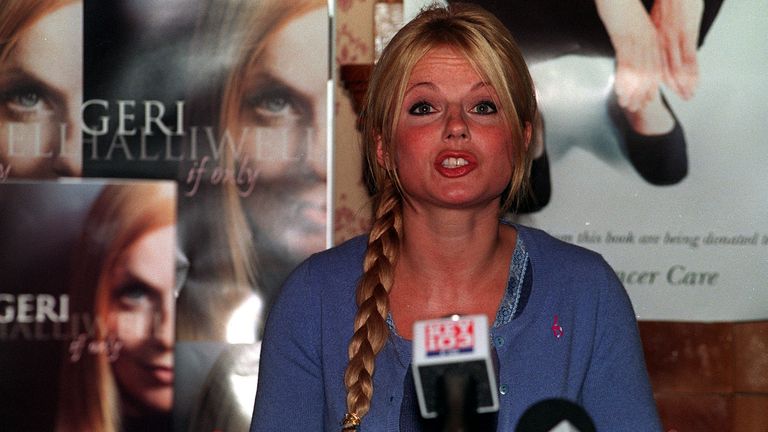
40 96
140 315
452 146
284 108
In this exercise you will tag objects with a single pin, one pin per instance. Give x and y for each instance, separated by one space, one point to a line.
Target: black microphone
555 415
453 371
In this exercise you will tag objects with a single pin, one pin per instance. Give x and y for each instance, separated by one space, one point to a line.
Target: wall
354 45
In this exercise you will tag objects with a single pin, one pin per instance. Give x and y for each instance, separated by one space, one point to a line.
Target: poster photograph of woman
88 313
652 150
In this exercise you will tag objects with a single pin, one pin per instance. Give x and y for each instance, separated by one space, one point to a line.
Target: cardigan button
498 341
503 389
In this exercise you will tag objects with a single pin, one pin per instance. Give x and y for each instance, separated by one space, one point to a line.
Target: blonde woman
41 88
118 373
448 121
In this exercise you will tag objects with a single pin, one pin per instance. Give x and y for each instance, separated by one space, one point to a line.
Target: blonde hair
489 47
16 16
120 215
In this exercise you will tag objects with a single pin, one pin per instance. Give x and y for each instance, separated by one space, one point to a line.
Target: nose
68 166
68 157
314 162
163 326
317 151
456 125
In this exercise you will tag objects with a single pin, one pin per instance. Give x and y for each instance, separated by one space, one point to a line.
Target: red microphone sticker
458 346
557 330
445 337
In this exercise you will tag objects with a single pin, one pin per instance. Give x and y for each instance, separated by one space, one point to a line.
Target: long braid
373 302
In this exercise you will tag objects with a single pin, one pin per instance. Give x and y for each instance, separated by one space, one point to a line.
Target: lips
308 211
163 375
313 213
454 164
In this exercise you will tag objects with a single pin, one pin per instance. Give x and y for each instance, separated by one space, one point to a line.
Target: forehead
150 258
444 65
296 52
51 49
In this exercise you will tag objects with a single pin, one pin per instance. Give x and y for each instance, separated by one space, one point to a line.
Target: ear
527 135
381 154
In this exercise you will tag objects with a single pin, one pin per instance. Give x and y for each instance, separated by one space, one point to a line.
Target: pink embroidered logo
557 330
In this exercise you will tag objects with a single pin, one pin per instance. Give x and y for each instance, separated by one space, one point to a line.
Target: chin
299 244
161 402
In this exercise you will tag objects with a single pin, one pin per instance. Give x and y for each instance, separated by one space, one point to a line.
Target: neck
445 237
451 261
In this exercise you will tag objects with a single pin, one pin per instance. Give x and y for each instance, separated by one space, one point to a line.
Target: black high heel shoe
661 160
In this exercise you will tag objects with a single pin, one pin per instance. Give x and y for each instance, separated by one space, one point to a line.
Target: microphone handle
458 404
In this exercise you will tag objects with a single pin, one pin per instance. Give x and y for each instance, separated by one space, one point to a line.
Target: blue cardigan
596 361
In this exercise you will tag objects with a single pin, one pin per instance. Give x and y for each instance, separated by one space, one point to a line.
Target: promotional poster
87 305
671 191
226 97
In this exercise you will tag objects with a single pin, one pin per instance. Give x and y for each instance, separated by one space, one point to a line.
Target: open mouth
453 162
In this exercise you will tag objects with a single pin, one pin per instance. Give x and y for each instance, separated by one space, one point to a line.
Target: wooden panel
750 359
688 357
695 412
750 413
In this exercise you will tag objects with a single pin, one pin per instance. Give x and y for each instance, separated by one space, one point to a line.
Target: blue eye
485 108
421 108
275 105
133 293
27 99
272 103
25 103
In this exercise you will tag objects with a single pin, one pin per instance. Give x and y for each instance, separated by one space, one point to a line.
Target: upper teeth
454 162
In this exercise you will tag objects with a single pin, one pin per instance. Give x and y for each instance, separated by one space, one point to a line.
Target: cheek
503 146
410 165
131 327
412 145
31 140
13 166
271 149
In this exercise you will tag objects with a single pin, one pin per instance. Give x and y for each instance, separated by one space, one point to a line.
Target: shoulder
338 265
348 253
543 247
574 270
326 275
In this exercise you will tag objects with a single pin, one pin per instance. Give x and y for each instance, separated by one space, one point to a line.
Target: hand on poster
638 54
653 47
678 23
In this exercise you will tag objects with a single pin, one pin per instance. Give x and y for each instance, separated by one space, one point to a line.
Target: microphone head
555 415
450 353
